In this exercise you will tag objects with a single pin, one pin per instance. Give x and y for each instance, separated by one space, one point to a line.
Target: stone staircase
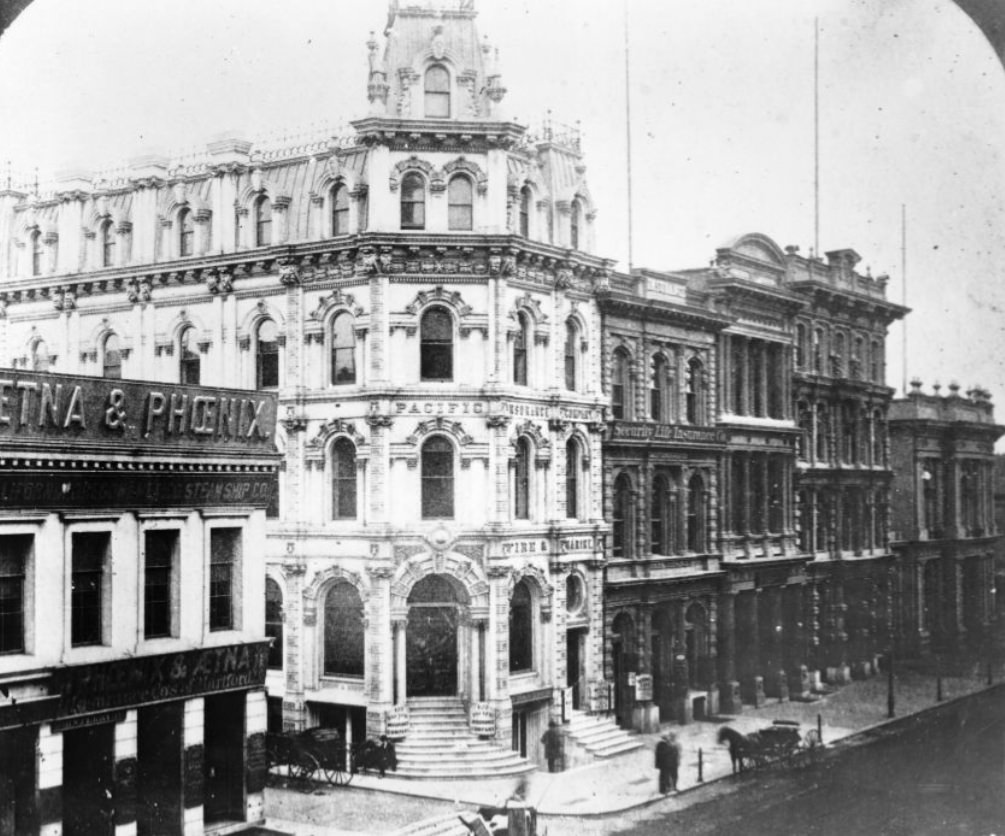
598 737
440 745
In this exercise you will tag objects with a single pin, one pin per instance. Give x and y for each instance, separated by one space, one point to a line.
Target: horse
739 746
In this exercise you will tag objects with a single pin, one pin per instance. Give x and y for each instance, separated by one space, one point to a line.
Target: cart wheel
304 766
337 776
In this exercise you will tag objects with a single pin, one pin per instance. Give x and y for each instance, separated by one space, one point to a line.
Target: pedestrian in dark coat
668 762
388 758
552 740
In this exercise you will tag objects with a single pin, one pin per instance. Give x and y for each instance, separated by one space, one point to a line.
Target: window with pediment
521 478
437 462
436 344
437 92
460 204
186 233
111 357
343 479
263 222
340 210
343 350
526 199
621 385
413 201
267 355
189 361
107 234
344 637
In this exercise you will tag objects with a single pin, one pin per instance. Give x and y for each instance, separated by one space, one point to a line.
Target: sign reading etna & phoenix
52 407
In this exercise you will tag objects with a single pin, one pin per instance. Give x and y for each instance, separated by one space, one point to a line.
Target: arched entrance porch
437 611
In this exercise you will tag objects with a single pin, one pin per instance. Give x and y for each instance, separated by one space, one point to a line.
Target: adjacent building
132 651
944 529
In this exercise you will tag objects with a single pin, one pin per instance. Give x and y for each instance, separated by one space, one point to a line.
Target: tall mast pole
816 137
903 279
628 138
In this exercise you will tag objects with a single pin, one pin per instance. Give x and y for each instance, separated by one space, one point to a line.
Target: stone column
399 626
50 781
729 687
193 758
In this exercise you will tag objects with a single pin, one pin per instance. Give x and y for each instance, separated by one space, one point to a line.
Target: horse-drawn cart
315 753
780 742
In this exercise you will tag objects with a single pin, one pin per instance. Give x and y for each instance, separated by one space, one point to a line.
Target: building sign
643 686
50 407
511 547
86 720
121 489
169 676
439 408
576 544
678 433
483 719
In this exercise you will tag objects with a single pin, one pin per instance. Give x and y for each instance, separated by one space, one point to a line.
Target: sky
912 113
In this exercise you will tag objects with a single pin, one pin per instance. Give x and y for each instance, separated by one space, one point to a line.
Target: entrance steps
601 737
440 745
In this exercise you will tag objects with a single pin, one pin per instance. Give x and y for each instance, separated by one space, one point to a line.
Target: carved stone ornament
374 421
497 421
219 281
336 299
439 424
335 427
289 275
563 278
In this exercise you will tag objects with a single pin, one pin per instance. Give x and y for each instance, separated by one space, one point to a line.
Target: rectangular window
160 559
14 553
89 555
224 564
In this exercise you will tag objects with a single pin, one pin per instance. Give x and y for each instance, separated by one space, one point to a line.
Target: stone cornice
437 134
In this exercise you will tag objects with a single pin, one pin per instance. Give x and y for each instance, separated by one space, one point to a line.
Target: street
941 773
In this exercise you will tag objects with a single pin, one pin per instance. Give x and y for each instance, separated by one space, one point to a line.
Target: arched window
340 211
437 92
263 222
695 514
521 341
36 253
344 638
661 518
573 466
39 356
111 358
521 629
267 355
436 350
658 392
437 478
621 388
460 212
521 475
343 475
107 244
693 385
186 233
413 201
621 518
188 356
800 346
526 196
571 355
574 222
343 350
274 623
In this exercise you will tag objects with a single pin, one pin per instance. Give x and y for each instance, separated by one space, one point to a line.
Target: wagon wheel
336 775
304 765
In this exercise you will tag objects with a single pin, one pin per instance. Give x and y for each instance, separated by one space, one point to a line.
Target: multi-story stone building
422 295
132 652
721 587
944 530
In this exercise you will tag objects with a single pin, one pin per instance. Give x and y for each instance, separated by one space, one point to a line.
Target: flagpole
816 137
628 138
903 279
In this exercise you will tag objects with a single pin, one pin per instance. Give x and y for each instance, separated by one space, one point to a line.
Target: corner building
132 652
421 294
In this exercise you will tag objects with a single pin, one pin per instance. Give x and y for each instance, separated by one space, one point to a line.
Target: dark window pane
340 211
267 356
436 349
274 623
263 222
343 480
88 562
520 341
343 358
111 366
186 233
572 479
522 476
571 338
413 202
160 550
224 555
521 630
437 479
188 357
437 93
107 245
525 198
459 204
14 552
344 639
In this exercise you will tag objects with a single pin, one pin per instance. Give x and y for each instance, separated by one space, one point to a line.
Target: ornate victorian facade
422 296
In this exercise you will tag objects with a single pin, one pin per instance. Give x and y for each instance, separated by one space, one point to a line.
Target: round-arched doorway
435 608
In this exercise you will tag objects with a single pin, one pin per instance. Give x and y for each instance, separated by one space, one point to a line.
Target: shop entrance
574 640
17 781
158 770
88 789
224 750
431 648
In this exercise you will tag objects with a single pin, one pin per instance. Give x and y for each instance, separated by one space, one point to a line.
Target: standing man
667 762
552 740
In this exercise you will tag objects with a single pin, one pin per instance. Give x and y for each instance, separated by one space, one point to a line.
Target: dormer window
459 204
36 254
107 244
186 233
437 93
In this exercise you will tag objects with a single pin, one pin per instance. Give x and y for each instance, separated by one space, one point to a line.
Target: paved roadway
940 773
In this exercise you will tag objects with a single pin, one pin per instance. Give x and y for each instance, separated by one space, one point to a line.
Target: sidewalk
606 787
